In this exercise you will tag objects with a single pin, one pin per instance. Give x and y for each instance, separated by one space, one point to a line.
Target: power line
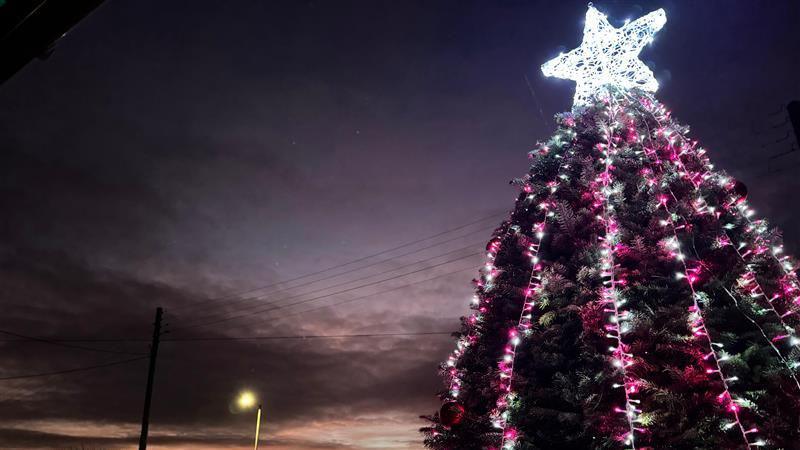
336 275
301 337
351 300
61 344
74 370
260 311
280 338
363 258
103 340
325 288
82 339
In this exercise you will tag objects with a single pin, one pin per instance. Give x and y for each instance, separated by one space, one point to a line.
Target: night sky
169 153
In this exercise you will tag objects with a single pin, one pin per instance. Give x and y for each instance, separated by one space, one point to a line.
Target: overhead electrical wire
273 338
311 336
325 288
363 258
62 344
220 338
73 370
118 339
363 297
276 307
336 275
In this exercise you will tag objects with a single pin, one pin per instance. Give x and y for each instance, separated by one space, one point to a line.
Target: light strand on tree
617 326
515 335
698 326
500 415
748 282
692 276
761 331
789 283
473 322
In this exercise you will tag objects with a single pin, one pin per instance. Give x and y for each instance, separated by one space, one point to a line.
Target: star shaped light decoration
608 56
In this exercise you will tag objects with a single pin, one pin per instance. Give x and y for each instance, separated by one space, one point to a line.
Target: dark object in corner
30 29
794 116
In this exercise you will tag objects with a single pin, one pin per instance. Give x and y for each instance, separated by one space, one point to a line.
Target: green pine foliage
563 376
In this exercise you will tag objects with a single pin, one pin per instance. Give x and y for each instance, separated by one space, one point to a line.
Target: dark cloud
48 200
298 381
11 438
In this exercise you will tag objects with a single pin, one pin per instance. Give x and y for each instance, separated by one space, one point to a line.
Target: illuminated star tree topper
608 56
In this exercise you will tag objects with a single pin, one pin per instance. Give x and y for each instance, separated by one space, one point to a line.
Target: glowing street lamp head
246 400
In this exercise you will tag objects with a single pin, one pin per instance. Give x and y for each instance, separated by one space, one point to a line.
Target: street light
247 400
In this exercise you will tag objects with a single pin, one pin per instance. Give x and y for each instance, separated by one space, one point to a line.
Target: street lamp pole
258 426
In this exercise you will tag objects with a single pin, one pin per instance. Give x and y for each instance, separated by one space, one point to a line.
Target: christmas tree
631 299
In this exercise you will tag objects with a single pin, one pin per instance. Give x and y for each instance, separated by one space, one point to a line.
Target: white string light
608 56
696 320
617 318
500 415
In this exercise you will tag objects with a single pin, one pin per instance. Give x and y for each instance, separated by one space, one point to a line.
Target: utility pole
150 373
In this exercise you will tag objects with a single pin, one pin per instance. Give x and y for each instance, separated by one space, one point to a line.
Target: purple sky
171 152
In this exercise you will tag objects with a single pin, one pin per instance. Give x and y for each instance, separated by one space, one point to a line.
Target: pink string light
748 282
692 274
622 358
480 307
500 415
